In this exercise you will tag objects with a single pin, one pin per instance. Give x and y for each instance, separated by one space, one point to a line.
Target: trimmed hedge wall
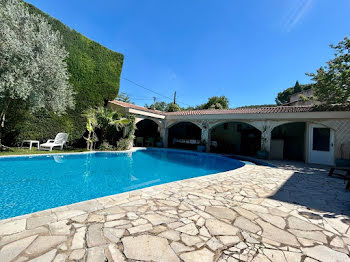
95 76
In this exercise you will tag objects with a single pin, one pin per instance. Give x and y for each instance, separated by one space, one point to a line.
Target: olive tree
33 68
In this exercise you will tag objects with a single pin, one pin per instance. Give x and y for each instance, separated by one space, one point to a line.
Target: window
321 139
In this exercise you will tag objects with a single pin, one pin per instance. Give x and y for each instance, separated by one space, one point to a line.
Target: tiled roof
246 110
254 110
123 104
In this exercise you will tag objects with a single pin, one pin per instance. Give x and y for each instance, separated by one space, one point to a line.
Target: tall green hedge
95 76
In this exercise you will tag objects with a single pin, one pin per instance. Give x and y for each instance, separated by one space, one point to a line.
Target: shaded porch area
235 138
147 133
184 135
288 142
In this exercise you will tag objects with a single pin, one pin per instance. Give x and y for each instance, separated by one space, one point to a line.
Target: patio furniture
345 176
59 141
139 141
31 143
186 141
150 141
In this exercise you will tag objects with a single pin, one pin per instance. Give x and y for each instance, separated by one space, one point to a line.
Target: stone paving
253 213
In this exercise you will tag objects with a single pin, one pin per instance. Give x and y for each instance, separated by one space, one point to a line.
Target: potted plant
202 146
262 154
159 143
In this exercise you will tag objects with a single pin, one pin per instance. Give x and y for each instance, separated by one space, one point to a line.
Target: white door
321 150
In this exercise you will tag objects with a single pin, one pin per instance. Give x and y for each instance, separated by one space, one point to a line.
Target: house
286 132
303 98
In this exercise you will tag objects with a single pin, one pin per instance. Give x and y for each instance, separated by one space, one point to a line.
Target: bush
94 74
105 146
124 144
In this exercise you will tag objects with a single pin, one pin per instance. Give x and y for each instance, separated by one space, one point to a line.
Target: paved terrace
250 214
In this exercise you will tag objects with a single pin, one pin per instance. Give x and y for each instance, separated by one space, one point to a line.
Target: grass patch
34 151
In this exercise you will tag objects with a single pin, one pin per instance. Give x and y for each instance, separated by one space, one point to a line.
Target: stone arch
147 132
289 140
216 123
184 134
139 119
235 137
173 123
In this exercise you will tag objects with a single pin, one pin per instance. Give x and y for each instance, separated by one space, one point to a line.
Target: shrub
105 146
124 144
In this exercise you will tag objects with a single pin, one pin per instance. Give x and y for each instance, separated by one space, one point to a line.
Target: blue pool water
29 184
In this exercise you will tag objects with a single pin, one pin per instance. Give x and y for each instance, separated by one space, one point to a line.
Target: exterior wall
341 133
341 129
338 121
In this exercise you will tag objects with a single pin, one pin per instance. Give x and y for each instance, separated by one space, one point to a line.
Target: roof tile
246 110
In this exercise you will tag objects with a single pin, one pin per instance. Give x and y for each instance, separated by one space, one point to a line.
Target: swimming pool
33 183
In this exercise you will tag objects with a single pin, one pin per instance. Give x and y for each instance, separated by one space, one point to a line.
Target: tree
215 102
161 106
332 82
283 97
32 63
124 97
297 87
171 107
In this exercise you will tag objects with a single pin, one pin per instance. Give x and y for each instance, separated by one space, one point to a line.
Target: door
321 149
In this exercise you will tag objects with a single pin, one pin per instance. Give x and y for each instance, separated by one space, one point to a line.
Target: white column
164 132
206 137
266 140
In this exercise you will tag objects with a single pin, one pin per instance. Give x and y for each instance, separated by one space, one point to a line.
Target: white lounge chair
59 141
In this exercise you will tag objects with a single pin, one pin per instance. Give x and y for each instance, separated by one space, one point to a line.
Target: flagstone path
253 213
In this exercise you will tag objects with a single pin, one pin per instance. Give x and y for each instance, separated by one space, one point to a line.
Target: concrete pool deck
254 213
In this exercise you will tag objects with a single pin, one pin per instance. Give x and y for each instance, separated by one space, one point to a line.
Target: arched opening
147 133
185 135
235 138
288 141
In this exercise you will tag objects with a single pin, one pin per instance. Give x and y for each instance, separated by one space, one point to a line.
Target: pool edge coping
70 153
25 216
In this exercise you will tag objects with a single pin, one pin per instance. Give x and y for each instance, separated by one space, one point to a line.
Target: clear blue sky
248 50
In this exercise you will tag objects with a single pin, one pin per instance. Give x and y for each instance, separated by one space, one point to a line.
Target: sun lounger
59 141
